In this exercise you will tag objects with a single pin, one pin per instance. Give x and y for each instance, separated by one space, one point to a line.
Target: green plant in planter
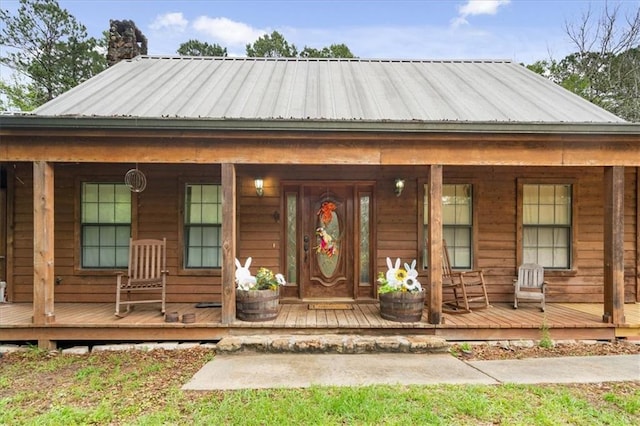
265 279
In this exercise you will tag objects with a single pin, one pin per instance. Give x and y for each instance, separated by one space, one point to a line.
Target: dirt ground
506 350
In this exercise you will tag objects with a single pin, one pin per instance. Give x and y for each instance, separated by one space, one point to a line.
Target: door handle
305 246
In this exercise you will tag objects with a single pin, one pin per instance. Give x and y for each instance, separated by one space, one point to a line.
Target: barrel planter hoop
402 306
257 305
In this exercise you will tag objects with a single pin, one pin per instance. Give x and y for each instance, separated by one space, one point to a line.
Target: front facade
252 160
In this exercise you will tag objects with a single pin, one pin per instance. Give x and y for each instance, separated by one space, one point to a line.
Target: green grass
141 388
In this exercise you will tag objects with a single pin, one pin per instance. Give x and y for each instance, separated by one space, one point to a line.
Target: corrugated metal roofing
324 89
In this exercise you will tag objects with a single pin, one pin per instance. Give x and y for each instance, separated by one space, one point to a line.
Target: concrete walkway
252 370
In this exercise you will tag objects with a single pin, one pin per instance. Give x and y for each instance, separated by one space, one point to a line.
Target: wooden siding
397 224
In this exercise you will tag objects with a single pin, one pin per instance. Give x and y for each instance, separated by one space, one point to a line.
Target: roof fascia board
32 123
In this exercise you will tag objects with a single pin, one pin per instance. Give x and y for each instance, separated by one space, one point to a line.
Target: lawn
137 387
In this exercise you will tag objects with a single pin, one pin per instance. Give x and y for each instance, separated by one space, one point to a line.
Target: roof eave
33 122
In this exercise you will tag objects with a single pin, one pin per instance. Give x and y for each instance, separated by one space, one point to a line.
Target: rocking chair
530 284
147 272
467 288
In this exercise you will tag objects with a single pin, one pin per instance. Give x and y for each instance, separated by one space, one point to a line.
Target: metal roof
324 89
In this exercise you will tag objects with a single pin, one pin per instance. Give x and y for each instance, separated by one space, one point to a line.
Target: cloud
225 32
477 7
174 21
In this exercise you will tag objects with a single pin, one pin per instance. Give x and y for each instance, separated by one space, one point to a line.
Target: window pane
90 193
91 236
194 257
90 213
448 214
530 194
122 194
194 234
364 240
292 246
562 214
545 257
106 193
545 237
209 257
108 236
209 213
91 256
546 215
107 257
123 234
209 194
123 213
122 255
107 214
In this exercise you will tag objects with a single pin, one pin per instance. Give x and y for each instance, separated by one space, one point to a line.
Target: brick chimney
126 41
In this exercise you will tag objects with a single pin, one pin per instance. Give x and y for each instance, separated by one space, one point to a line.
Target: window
546 225
203 226
105 225
365 239
457 223
292 234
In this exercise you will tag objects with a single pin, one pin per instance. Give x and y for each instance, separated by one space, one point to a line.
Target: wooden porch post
434 246
228 242
43 253
637 234
614 245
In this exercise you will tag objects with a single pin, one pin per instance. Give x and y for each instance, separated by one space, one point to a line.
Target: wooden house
239 154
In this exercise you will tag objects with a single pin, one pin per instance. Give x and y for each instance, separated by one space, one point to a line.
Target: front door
327 224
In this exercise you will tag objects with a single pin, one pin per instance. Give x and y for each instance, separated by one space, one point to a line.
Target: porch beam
434 245
228 242
614 245
339 148
43 249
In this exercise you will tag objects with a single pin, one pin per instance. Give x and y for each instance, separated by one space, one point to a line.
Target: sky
519 30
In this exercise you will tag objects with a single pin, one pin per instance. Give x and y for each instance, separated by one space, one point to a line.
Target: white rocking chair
530 285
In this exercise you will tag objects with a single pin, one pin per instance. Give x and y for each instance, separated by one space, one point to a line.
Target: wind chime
135 180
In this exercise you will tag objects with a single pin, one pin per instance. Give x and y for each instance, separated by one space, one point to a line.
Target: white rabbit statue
411 269
244 279
392 270
412 282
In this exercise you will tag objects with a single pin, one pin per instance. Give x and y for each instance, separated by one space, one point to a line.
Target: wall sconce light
399 187
259 183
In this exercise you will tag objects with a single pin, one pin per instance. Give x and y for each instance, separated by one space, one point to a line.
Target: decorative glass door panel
327 250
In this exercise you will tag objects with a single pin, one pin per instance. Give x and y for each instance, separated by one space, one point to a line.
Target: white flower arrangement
399 279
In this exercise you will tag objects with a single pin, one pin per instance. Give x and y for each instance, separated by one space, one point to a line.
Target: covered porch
95 322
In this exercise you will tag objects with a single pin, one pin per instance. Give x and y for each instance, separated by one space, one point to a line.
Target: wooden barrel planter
402 306
257 305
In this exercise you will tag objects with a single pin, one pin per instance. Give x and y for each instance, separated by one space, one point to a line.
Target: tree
49 52
199 48
605 69
333 51
272 46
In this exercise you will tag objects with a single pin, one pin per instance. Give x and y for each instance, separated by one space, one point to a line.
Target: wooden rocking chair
530 284
466 289
147 272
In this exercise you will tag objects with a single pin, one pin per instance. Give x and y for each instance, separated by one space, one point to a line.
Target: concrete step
333 343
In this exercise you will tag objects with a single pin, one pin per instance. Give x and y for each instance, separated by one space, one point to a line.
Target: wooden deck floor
96 321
